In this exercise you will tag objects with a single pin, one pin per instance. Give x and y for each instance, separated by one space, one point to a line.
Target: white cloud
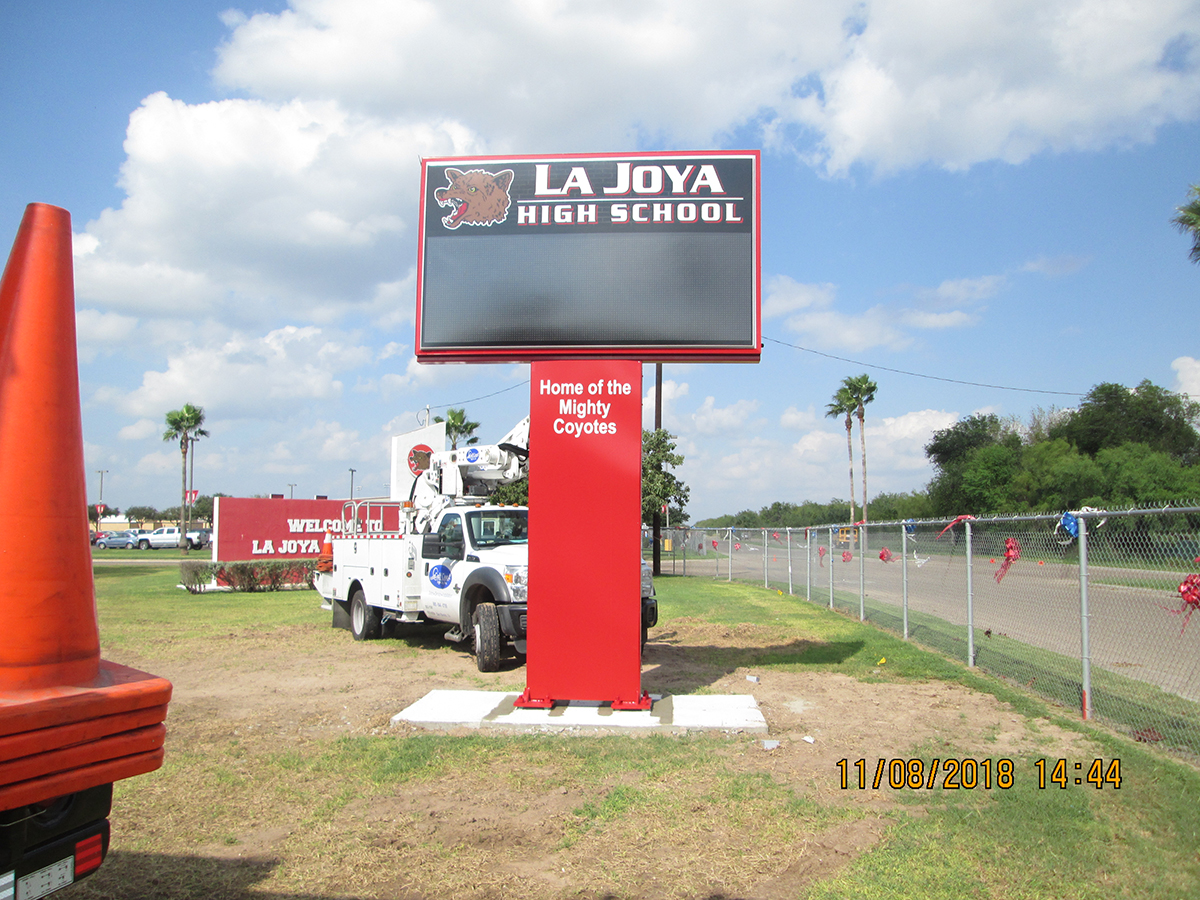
244 376
889 83
728 420
672 391
784 295
140 430
794 418
1187 376
97 332
875 327
958 83
963 291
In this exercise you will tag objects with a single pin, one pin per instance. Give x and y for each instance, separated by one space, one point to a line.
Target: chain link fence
1089 609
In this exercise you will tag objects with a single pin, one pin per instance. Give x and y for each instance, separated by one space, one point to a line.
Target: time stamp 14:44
969 774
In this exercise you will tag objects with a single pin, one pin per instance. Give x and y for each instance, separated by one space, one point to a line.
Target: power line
484 397
998 387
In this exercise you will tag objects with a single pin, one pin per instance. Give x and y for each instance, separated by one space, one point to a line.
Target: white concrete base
495 709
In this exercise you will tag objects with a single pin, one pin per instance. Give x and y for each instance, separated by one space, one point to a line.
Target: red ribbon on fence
821 551
1012 552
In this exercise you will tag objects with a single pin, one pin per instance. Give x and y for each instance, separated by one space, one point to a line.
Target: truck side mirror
431 547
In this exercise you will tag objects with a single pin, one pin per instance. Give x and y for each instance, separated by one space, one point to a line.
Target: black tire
341 615
130 545
487 637
191 545
143 545
364 618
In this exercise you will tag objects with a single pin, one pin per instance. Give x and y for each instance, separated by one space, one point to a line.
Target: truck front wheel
487 637
143 545
364 618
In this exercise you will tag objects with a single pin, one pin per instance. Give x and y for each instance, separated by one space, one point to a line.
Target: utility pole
657 523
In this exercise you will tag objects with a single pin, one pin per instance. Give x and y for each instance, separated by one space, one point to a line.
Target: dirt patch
762 822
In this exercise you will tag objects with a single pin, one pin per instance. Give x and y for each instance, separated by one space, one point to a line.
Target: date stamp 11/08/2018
969 774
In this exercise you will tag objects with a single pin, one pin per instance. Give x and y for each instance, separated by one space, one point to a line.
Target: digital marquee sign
648 256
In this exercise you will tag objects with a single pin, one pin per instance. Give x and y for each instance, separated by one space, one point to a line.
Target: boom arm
470 471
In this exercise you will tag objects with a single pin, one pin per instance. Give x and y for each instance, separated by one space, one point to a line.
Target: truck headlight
518 581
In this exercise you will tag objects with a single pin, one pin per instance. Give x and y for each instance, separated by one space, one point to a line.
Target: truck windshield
498 526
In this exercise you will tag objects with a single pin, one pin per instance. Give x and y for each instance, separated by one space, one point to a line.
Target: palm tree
458 426
183 425
1188 220
843 404
861 391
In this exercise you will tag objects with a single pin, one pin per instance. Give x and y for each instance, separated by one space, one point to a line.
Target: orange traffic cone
325 557
68 719
47 597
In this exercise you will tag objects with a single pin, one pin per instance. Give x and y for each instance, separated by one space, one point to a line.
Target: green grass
1023 842
1127 703
143 609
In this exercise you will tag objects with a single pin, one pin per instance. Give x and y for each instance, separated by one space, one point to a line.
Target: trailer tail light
88 854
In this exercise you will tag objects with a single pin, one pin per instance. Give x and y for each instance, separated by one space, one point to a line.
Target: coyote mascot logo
475 197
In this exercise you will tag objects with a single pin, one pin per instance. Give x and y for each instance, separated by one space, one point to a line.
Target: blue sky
979 192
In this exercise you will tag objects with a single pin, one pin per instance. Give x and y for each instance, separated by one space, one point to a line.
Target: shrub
195 575
267 575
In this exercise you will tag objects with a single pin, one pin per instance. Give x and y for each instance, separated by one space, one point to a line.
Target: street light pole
352 471
291 491
101 500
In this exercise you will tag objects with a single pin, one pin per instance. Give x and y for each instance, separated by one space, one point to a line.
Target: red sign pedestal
585 534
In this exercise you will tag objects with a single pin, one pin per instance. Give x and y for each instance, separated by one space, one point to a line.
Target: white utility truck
444 554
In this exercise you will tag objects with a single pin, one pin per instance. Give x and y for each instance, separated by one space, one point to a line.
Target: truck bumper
513 620
41 853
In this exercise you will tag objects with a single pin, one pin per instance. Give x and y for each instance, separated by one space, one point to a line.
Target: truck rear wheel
487 637
364 618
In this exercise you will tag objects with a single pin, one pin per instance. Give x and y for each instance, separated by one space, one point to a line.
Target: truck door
439 575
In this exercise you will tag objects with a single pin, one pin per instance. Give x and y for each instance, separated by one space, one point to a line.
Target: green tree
659 484
845 404
515 492
953 450
1111 415
861 390
184 425
1187 220
458 427
140 514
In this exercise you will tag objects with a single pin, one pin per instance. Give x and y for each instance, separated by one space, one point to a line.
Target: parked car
114 539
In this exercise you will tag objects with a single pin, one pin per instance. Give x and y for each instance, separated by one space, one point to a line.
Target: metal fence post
731 554
788 535
808 564
904 575
687 539
830 568
1084 615
766 576
862 573
970 604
